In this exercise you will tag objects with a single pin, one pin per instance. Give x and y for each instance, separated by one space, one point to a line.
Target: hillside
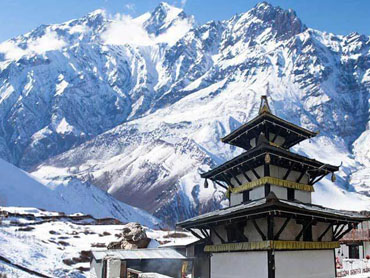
137 106
19 189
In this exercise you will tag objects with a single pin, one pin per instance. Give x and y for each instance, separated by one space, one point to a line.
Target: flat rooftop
139 254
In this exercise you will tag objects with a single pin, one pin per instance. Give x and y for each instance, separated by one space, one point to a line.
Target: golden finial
264 107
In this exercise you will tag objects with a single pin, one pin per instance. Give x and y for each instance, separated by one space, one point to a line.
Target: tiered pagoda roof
271 205
267 123
262 131
279 156
258 137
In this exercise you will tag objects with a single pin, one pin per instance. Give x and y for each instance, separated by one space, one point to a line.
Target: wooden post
123 273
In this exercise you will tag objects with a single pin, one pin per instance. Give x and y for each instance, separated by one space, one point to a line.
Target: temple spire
264 107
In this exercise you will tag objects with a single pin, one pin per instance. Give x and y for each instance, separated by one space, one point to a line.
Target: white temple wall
239 265
221 231
278 141
251 232
318 229
304 264
236 199
275 171
303 196
280 192
257 193
243 180
279 172
294 175
290 231
259 171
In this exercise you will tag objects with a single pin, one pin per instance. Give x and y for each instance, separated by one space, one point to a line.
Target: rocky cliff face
140 113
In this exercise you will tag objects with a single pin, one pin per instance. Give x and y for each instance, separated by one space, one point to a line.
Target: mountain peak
164 16
96 17
263 5
286 23
97 13
167 8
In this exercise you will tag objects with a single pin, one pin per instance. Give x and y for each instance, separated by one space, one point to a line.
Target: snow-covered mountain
17 188
136 106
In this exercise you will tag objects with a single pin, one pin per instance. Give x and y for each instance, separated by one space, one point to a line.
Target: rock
114 245
133 237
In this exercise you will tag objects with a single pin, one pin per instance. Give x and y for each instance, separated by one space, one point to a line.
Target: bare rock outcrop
133 237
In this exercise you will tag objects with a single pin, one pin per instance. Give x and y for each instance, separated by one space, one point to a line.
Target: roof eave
235 133
329 168
278 207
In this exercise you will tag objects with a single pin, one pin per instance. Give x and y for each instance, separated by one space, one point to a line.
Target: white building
356 244
271 228
157 262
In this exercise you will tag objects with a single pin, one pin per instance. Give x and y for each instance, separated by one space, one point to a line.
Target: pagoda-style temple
271 228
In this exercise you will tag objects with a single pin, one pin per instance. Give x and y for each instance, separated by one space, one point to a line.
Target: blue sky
337 16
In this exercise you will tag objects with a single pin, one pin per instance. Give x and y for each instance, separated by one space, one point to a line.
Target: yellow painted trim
274 145
272 244
273 181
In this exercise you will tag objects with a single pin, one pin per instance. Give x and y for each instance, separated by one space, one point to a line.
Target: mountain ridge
20 189
141 113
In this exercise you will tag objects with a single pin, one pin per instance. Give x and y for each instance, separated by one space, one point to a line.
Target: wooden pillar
267 189
271 263
335 264
270 253
270 227
123 273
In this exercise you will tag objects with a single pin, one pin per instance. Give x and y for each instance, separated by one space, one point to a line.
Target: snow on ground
59 245
18 188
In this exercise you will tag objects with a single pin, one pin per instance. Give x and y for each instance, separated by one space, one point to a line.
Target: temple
271 228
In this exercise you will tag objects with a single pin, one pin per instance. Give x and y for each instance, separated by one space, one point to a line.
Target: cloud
130 7
49 41
78 29
176 32
125 30
11 50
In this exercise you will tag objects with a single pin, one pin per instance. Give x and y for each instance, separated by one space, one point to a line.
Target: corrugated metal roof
139 254
153 275
180 242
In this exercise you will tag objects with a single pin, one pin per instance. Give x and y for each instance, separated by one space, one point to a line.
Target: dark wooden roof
272 205
267 121
256 157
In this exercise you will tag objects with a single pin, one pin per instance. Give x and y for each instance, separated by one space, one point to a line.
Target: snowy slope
58 245
17 188
126 105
